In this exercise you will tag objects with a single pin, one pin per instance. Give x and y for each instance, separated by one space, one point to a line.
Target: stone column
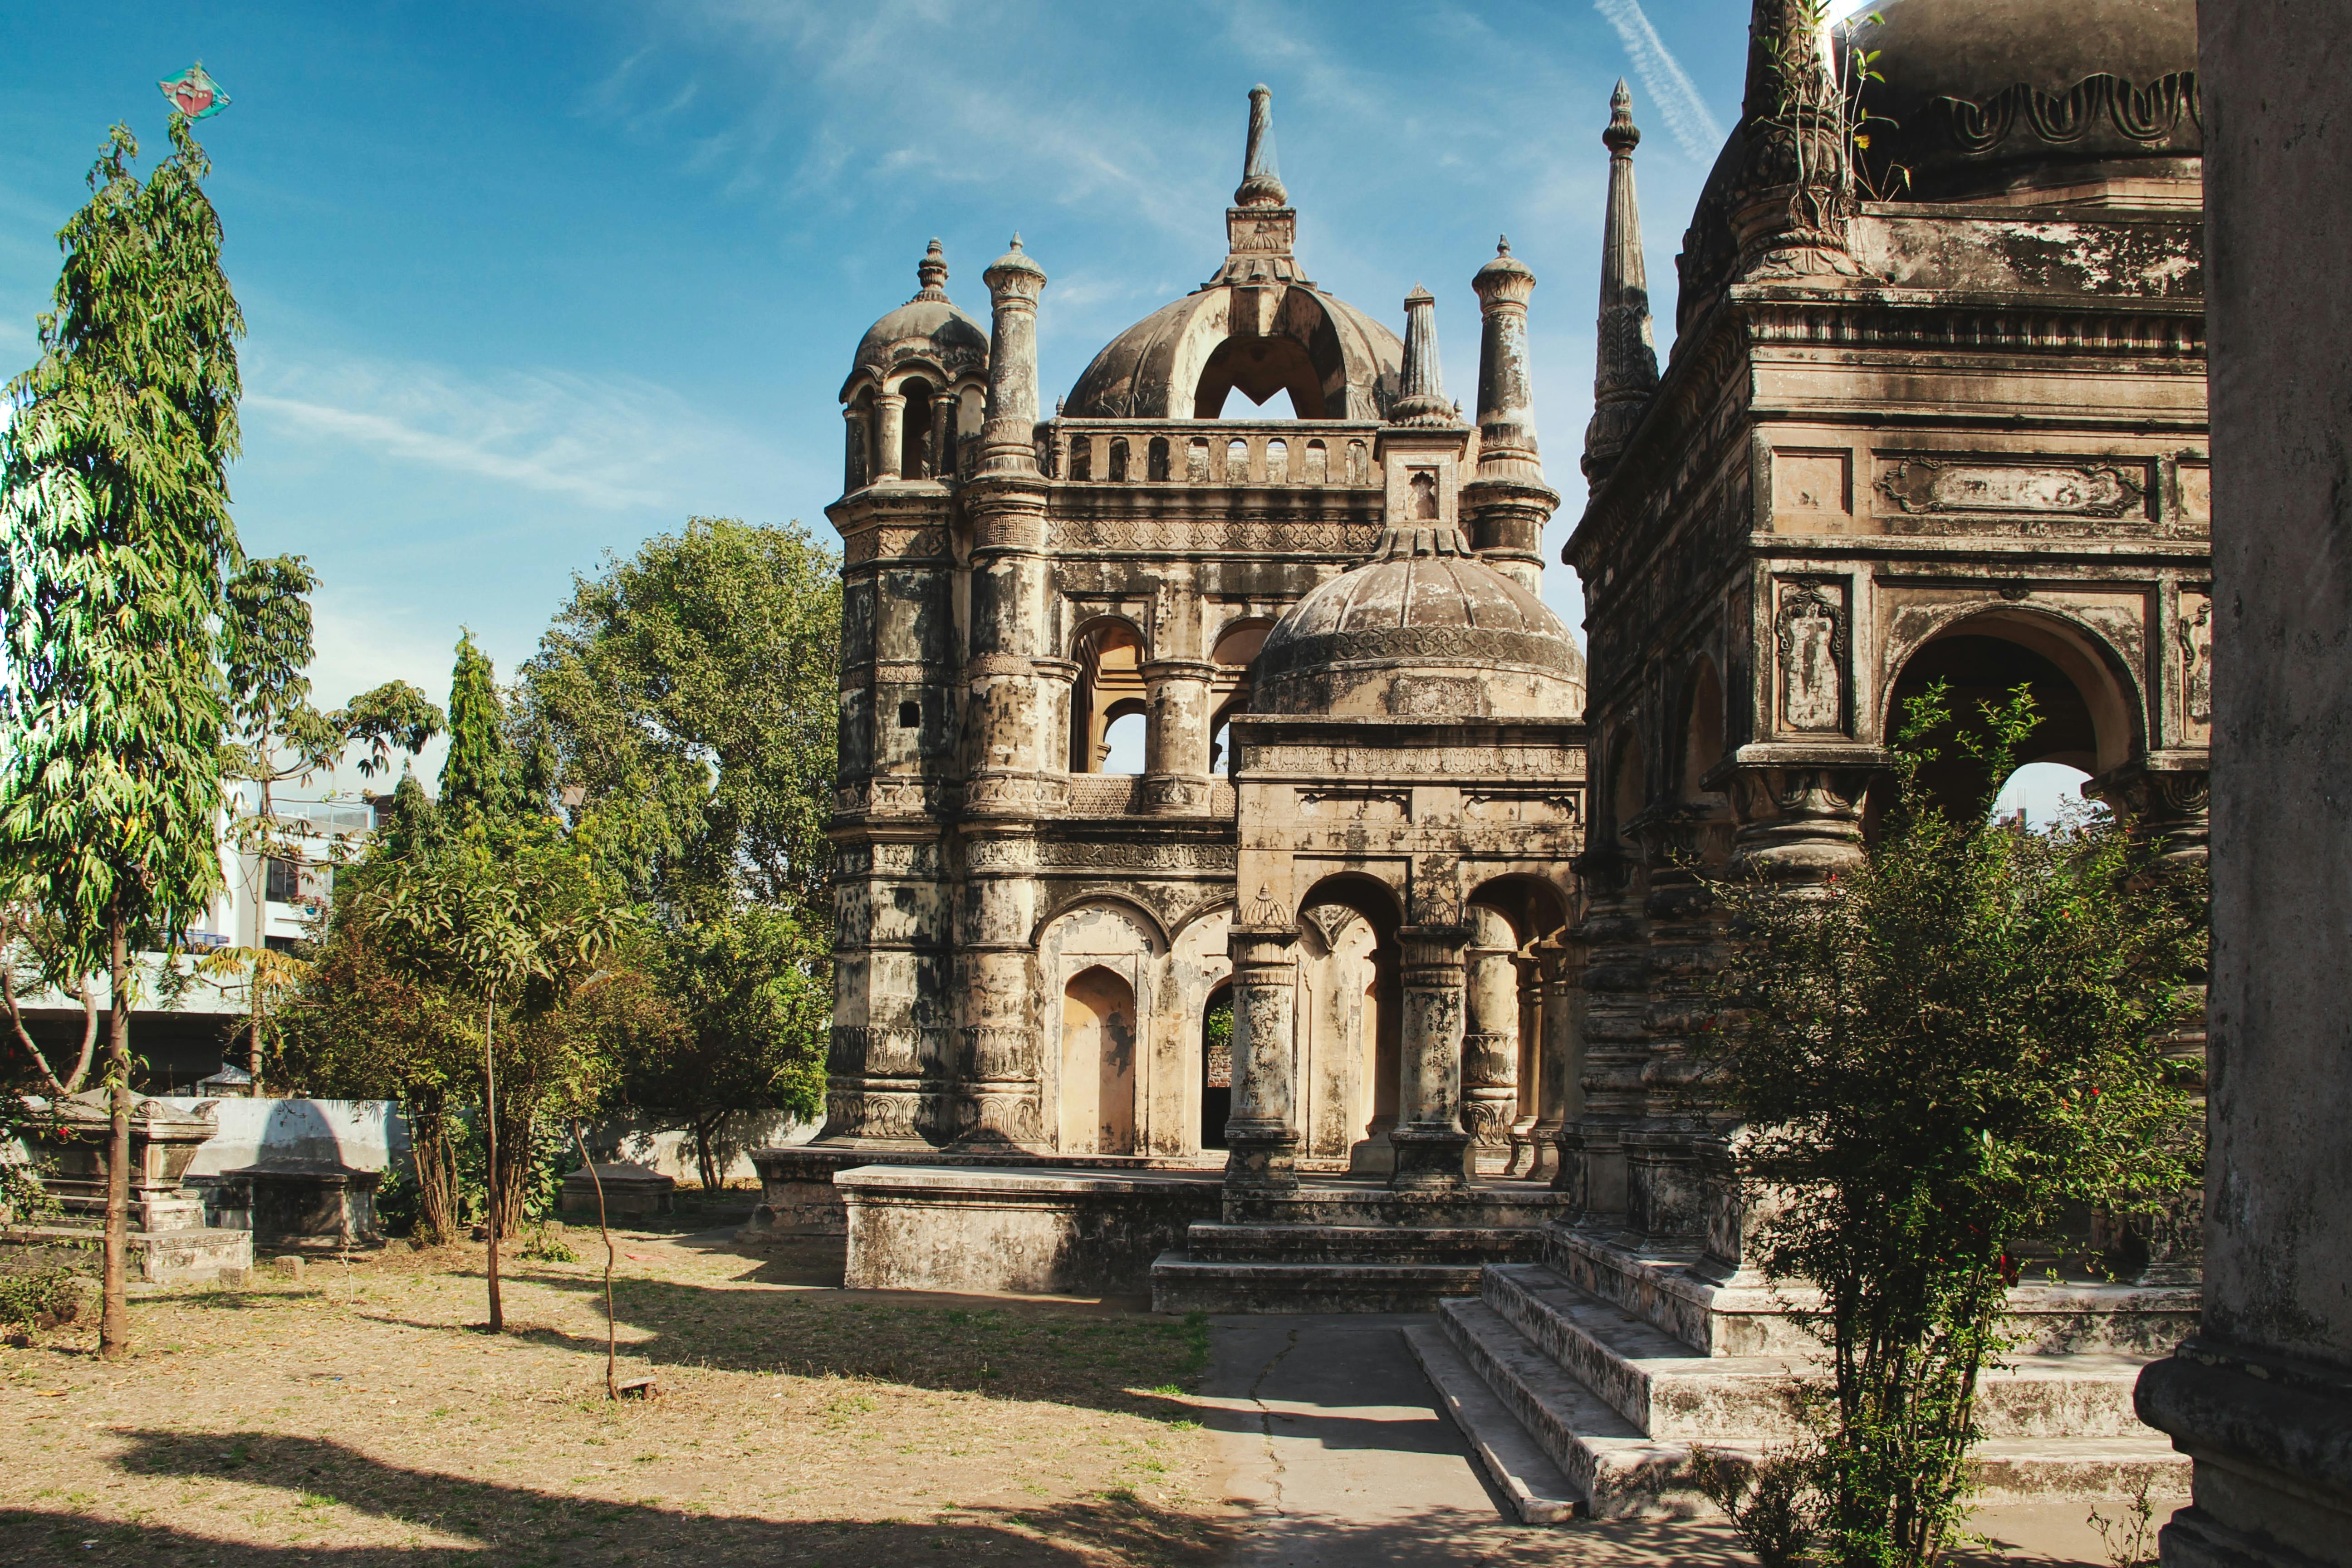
1490 1041
854 451
1665 1186
889 435
941 461
997 1094
1261 1134
1176 736
1531 1067
1616 981
1560 1066
1431 1146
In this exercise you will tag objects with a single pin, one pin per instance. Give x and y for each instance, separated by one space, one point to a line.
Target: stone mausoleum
1935 410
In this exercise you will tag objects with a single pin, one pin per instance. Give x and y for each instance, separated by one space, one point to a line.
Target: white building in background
277 878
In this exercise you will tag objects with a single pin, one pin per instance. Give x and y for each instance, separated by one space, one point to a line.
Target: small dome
1984 96
927 329
1423 629
1336 362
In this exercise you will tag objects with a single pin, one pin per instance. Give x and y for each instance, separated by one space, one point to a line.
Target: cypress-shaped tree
116 547
478 779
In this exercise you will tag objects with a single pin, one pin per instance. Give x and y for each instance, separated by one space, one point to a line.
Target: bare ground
362 1416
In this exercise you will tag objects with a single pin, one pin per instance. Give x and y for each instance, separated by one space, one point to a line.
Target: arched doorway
1109 691
1097 1102
1216 1067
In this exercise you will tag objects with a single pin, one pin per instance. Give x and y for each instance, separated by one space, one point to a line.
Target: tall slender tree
116 549
478 779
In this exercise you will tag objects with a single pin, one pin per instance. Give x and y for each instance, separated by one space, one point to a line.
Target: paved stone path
1331 1438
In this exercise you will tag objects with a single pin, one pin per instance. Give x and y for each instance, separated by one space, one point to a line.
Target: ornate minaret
1261 226
1626 363
1011 778
1507 503
1421 400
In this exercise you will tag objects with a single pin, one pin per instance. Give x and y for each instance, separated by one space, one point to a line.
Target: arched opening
1082 458
1531 909
1098 1108
1217 1066
1122 750
1380 1032
1155 459
2083 716
1118 470
1109 688
1259 369
1236 650
1278 462
915 433
1318 464
1238 461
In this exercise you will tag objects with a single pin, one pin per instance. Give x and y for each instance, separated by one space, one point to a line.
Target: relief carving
1812 657
2197 659
1933 485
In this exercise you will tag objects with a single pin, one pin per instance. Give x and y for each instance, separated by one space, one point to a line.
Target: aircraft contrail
1678 102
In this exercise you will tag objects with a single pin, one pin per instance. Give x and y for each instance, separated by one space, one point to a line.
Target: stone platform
797 1195
1351 1247
1036 1230
195 1256
1614 1361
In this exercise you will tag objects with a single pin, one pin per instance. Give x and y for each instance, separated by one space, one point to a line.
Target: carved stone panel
1813 491
1812 643
2196 639
2031 494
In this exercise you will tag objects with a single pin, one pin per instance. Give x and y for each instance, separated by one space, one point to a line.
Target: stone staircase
1577 1402
1344 1247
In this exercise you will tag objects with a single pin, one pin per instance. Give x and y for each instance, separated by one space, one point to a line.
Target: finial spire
1625 364
1261 183
1421 399
1791 202
1507 502
931 272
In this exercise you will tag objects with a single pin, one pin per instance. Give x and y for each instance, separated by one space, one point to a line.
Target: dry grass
359 1417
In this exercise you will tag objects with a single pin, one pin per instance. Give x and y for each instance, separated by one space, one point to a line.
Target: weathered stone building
1937 416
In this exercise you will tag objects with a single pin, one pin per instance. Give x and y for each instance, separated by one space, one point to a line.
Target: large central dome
1259 327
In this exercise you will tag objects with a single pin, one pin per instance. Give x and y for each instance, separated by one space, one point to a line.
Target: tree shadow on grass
520 1527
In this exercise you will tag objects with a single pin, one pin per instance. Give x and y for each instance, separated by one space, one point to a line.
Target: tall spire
1625 364
1261 183
1261 226
931 272
1422 398
1009 433
1791 201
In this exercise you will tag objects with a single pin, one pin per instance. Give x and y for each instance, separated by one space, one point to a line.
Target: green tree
752 985
689 698
478 777
525 928
278 737
116 547
1935 1057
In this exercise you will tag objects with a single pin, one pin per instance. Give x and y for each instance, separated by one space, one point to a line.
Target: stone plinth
1035 1231
797 1197
307 1205
169 1243
631 1191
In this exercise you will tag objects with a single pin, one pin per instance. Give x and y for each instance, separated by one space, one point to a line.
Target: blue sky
527 282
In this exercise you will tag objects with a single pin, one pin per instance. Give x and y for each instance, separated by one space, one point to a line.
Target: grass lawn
361 1415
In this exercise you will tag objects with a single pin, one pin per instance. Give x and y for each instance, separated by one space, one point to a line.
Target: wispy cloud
1693 130
613 444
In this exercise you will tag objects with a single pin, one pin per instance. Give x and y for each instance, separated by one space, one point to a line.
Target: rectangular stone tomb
306 1206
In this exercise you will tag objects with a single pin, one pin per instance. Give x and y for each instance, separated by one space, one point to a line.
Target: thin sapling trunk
604 1229
490 1133
114 1317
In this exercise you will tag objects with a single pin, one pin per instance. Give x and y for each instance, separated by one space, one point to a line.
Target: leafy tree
689 696
116 548
478 777
525 928
751 984
1935 1057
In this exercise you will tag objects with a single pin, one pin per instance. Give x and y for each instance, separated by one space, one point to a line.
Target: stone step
1213 1242
1624 1473
1182 1283
1668 1391
1530 1483
1496 1206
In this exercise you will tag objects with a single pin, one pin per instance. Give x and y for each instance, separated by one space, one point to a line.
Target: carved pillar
1490 1041
939 460
996 1098
889 435
2164 1243
1559 1068
1261 1134
1666 1190
1616 981
1430 1145
1176 736
854 451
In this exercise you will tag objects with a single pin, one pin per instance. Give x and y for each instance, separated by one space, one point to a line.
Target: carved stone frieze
1145 856
1274 534
894 543
2016 488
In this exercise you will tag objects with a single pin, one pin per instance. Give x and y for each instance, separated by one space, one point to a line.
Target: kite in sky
195 94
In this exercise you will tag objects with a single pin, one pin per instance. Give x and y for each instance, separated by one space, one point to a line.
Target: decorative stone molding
2016 487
